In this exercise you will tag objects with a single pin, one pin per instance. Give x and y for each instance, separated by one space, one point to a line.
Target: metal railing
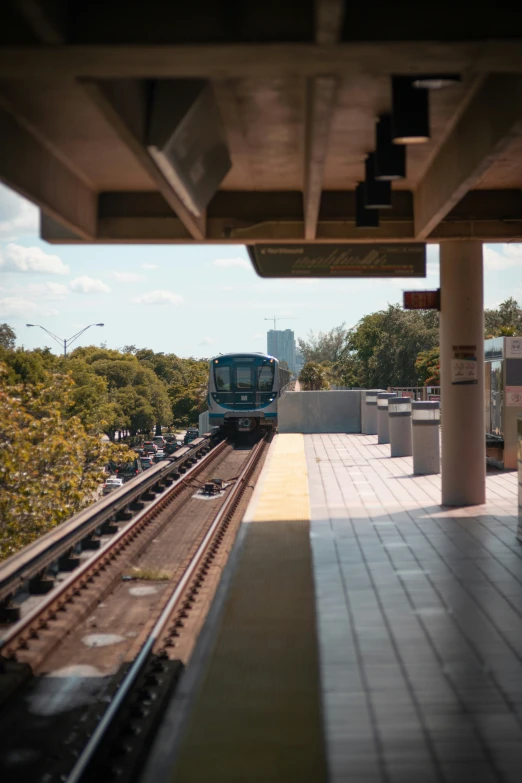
37 556
417 392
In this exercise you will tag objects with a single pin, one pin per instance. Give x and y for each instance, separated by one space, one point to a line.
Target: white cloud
88 285
46 290
149 266
18 215
18 307
161 298
495 260
513 249
230 263
17 258
207 341
128 277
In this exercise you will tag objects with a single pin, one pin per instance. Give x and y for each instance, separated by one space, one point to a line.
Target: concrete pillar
462 374
369 411
383 419
399 413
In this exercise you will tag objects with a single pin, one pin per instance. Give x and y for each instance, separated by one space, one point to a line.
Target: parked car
147 462
112 483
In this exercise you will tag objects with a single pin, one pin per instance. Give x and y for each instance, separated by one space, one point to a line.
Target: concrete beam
328 21
46 19
224 61
320 102
491 121
170 230
32 170
124 106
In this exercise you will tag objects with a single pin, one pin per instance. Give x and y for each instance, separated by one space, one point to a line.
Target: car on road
147 462
159 440
160 454
171 447
191 434
150 447
112 483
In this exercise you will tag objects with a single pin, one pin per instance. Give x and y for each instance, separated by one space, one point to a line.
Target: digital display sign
422 300
339 260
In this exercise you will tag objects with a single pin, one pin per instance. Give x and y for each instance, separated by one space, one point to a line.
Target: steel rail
136 669
36 557
42 613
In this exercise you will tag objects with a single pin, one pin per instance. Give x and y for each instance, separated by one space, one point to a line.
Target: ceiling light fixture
410 112
436 81
390 158
364 218
377 194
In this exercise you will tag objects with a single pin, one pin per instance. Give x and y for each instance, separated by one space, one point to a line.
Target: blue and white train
243 391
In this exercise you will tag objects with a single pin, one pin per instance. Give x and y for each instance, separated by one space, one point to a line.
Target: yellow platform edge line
283 485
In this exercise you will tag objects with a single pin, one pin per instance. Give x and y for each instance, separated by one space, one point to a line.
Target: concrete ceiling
299 86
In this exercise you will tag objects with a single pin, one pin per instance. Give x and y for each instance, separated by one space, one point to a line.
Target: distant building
299 361
281 344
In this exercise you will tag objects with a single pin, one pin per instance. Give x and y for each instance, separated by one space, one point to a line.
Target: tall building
281 344
299 361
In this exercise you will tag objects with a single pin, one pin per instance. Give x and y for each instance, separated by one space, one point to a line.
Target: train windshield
244 377
265 377
240 375
222 375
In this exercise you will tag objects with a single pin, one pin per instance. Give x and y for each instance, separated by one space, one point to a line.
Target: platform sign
339 260
422 300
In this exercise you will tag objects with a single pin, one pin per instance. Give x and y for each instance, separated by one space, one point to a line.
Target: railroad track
139 691
34 569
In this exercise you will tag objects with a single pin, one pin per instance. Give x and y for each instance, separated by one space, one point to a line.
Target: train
244 390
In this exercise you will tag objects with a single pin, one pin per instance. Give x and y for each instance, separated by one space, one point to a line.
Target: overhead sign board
422 300
339 260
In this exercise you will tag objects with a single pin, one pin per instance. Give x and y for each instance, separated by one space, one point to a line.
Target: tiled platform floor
420 620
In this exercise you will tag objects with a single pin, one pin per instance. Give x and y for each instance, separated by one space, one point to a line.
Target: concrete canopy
299 87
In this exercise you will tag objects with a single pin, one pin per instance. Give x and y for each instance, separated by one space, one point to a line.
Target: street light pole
65 341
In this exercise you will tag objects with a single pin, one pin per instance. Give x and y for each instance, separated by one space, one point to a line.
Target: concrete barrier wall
203 425
320 411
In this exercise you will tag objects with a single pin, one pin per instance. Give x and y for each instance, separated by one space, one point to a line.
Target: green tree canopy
7 337
50 467
313 377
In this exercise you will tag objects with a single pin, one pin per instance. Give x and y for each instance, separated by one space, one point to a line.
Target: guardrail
419 393
35 558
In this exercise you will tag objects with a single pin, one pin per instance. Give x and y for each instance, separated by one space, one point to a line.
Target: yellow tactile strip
257 714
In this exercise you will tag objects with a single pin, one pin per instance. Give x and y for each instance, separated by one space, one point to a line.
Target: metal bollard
425 420
399 412
383 422
369 411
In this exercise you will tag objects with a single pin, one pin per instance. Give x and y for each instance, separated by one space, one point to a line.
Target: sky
191 301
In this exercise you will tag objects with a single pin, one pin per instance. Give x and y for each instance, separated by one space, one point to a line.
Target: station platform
361 632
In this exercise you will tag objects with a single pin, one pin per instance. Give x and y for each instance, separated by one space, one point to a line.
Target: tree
505 321
324 346
385 345
428 366
50 467
313 377
7 337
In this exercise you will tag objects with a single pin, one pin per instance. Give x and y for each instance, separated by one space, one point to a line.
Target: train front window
222 376
265 378
244 377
